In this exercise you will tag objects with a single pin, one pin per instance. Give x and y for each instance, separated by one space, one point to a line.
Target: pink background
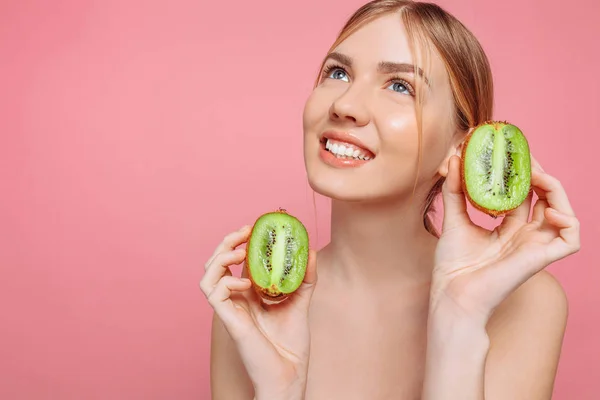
135 134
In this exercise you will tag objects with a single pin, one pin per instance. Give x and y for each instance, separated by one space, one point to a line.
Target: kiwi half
277 255
496 167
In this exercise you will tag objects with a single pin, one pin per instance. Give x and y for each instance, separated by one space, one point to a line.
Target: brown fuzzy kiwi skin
491 213
270 296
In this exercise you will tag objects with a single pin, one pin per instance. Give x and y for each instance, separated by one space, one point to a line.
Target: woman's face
366 111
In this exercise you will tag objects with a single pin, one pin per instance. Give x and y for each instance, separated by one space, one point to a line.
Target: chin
339 185
351 186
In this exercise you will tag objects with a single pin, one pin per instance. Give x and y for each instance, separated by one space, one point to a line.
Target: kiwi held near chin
496 167
277 255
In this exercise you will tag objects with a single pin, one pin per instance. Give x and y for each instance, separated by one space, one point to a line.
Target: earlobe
443 170
444 167
454 150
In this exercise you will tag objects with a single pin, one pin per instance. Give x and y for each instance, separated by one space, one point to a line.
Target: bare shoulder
526 334
541 302
228 376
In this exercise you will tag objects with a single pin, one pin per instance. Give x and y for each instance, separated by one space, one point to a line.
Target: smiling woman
400 311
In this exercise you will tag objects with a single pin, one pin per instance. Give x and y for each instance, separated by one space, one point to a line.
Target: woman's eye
399 87
338 74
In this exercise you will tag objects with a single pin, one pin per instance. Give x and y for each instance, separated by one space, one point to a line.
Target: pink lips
340 162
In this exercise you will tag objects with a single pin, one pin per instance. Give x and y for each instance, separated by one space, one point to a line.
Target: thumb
455 207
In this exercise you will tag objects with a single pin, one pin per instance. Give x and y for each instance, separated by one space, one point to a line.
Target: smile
346 150
340 154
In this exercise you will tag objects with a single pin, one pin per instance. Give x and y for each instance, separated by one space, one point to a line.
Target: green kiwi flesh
277 254
496 167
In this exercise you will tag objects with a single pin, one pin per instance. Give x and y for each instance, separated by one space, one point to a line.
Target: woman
400 312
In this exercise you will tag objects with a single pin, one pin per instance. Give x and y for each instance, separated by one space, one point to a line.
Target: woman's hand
476 269
273 340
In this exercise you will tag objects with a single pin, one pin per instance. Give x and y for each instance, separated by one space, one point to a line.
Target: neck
380 242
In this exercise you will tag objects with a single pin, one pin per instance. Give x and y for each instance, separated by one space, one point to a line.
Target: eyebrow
384 67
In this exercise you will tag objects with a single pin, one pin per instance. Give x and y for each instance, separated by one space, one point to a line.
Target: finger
539 210
230 242
219 268
550 189
568 241
219 299
224 288
455 207
560 220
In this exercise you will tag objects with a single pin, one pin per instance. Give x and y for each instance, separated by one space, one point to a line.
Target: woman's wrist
457 348
294 391
449 334
277 395
455 301
452 329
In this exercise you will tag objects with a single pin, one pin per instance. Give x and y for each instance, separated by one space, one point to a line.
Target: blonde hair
468 68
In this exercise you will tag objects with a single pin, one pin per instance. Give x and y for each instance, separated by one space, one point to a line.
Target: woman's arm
515 357
228 376
266 345
457 349
496 319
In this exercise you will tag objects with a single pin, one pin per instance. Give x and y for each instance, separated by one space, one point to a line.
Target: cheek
399 135
315 111
398 131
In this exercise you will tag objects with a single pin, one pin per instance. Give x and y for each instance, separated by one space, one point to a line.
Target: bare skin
396 313
377 350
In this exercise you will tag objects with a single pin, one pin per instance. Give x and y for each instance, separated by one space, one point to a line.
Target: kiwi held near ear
277 255
496 167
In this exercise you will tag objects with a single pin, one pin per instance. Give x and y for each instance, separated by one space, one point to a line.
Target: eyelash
393 79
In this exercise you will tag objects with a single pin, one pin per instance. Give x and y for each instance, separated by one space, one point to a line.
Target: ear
455 148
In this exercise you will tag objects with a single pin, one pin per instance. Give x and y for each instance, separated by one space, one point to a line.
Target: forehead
385 39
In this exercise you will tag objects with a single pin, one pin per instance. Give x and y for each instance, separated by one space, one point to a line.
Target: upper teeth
342 149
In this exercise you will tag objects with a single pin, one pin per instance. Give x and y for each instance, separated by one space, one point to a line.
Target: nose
350 107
